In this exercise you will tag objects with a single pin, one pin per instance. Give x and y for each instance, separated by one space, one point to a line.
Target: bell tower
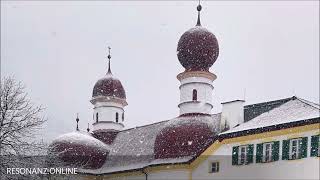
197 51
108 100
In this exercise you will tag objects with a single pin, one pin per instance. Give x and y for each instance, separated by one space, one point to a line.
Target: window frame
194 95
245 159
297 153
117 117
270 153
217 167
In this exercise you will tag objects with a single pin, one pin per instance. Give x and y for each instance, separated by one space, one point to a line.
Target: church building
277 139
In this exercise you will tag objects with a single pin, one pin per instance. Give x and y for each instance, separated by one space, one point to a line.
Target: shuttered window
267 152
242 154
315 146
235 151
275 151
295 148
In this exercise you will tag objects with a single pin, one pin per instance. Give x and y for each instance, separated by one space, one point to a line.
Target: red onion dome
184 136
79 149
197 49
109 86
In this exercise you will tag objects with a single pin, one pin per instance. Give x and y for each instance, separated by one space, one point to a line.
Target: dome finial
77 119
109 57
199 7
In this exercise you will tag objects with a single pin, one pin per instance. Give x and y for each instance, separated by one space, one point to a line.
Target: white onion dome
79 149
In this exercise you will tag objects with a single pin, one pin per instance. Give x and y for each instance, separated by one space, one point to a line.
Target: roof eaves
269 128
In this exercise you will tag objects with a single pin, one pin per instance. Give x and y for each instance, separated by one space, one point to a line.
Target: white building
271 140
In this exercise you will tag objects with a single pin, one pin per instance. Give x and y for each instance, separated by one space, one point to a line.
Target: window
267 152
214 167
122 117
194 95
242 154
315 146
117 117
242 157
97 117
294 149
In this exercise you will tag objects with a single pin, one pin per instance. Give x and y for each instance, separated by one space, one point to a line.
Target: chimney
232 114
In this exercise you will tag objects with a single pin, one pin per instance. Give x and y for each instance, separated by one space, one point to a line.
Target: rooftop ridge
271 102
312 104
253 110
145 125
158 123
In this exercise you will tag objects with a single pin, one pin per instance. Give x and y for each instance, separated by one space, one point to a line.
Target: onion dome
79 149
184 136
197 48
109 85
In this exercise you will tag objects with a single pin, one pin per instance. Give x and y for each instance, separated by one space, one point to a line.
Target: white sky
58 49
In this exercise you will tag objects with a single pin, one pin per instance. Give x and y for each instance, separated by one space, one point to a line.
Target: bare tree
19 121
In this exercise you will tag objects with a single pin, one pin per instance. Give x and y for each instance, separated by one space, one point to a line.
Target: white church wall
172 174
204 92
196 79
204 89
107 113
107 125
157 175
132 177
192 107
232 113
305 168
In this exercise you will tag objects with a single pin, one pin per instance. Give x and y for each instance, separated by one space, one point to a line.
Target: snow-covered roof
293 110
81 138
133 149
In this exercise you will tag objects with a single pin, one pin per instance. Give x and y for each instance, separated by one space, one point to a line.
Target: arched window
117 117
194 95
97 117
122 117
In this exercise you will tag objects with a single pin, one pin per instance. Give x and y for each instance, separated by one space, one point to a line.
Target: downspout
145 173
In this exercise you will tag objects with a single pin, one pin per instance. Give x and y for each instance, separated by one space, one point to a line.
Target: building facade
277 139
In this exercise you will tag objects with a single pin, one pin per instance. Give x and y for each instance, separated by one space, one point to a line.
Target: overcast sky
269 49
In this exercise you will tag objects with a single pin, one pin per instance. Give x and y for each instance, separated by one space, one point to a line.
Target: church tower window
122 117
97 117
194 95
117 117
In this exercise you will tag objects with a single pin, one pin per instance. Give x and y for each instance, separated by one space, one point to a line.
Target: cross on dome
109 57
77 119
199 7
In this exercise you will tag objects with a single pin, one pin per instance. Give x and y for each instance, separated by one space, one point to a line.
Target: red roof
109 86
